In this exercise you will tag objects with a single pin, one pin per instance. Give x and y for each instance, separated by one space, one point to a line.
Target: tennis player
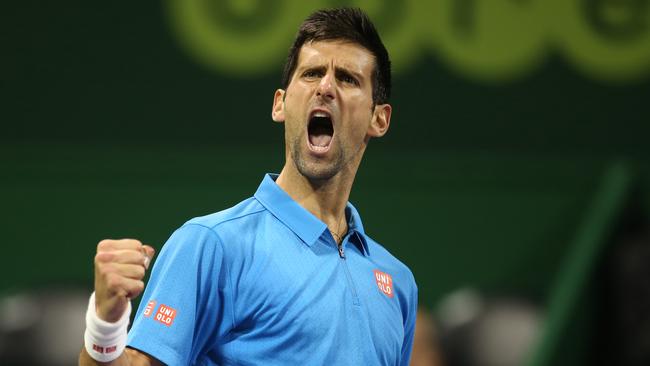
288 276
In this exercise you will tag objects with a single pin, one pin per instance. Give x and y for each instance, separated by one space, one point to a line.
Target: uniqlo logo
165 315
148 310
100 349
384 282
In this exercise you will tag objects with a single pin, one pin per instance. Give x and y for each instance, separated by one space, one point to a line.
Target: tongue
321 140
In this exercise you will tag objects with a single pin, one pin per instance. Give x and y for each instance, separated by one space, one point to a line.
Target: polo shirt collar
298 219
355 227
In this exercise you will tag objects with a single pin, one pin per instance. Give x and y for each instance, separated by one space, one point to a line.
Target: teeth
321 114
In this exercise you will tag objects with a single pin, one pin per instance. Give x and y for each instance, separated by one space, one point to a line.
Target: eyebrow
338 70
348 72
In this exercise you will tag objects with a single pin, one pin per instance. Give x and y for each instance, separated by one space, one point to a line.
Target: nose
327 86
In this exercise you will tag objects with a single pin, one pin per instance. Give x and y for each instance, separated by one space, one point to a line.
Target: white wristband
105 341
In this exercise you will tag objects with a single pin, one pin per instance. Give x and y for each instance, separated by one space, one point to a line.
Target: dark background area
111 126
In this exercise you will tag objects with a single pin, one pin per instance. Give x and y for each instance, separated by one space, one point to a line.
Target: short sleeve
184 309
409 324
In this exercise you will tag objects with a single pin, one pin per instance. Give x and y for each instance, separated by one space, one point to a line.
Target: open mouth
320 131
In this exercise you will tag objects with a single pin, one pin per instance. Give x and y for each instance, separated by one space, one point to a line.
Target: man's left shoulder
389 262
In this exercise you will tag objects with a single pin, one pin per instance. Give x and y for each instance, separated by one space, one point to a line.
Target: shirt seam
212 227
270 207
228 277
232 292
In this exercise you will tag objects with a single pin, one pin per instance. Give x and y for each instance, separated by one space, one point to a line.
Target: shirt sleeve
409 325
184 310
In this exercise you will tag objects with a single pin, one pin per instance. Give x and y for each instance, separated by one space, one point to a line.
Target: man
287 277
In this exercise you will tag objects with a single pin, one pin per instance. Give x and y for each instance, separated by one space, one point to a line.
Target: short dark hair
349 24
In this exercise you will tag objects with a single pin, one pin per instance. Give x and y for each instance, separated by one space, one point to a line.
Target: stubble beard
316 170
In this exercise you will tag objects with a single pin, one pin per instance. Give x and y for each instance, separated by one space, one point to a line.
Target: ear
277 113
380 120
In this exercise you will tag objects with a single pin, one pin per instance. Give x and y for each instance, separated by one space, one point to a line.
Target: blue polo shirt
264 283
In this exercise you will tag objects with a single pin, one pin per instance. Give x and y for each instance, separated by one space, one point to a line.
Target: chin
316 171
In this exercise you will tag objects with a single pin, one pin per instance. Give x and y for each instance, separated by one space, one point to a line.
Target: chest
309 297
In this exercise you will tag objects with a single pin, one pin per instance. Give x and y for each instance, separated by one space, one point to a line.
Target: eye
347 78
312 74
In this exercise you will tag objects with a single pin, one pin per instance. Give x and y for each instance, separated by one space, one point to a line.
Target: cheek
356 131
294 104
361 118
292 122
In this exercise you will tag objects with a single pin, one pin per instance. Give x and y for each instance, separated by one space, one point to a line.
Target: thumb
148 252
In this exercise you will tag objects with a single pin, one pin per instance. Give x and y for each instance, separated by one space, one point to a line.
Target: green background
111 127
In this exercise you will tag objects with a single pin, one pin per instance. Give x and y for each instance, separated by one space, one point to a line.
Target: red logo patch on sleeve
148 310
384 282
165 315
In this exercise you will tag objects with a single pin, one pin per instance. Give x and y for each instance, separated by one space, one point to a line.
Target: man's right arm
120 266
130 357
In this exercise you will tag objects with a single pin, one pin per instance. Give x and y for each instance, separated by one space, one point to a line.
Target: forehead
342 54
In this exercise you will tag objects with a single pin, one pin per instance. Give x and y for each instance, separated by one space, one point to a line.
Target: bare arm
130 357
120 267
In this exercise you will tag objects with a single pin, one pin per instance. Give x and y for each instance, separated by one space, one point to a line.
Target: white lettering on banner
165 315
384 282
149 308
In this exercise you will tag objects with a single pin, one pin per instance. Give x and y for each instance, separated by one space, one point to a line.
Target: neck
325 199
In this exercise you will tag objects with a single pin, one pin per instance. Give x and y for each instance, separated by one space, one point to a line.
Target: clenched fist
120 267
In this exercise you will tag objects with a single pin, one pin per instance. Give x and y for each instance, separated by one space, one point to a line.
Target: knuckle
102 257
104 244
100 266
106 268
134 242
